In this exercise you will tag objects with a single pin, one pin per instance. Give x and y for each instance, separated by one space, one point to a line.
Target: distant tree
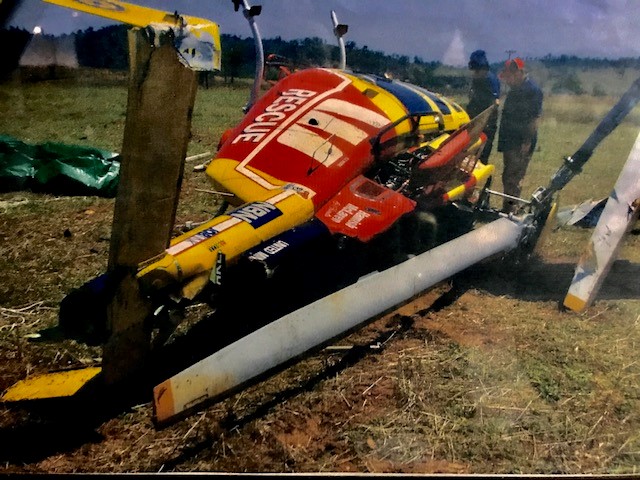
315 51
234 52
103 48
13 41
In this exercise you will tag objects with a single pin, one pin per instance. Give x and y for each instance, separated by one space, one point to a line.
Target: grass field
498 380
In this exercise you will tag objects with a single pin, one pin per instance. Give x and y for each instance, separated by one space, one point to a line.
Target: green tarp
57 168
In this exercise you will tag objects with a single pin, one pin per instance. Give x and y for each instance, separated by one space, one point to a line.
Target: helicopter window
369 189
370 93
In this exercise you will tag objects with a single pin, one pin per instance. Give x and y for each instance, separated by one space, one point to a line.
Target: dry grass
498 381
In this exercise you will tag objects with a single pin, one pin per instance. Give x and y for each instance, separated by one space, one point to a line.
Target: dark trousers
490 132
515 168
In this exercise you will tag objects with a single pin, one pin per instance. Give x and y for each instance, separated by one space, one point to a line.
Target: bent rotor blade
302 330
573 164
618 216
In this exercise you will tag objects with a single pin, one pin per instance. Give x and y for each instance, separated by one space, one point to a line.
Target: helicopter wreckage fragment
311 326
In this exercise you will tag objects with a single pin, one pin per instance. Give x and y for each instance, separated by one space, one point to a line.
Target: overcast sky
441 30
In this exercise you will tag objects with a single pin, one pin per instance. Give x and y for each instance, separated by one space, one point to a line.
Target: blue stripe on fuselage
273 250
444 108
410 99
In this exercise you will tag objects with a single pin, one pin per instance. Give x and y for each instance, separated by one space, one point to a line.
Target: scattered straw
23 314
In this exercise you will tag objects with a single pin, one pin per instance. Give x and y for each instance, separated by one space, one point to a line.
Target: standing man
518 127
485 92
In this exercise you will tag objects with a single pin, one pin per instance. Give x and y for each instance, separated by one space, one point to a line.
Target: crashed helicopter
350 193
333 174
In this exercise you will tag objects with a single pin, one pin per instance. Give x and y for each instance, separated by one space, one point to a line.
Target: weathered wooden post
157 129
164 57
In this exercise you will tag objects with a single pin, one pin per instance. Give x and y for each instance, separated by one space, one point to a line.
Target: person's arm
529 135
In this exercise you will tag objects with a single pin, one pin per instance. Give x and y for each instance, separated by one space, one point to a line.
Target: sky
441 30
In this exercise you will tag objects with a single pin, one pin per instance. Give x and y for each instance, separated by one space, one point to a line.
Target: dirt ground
480 375
484 374
361 405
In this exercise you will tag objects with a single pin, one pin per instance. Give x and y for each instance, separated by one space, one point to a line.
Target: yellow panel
163 404
50 385
452 121
138 16
225 176
436 142
481 172
389 104
125 12
196 251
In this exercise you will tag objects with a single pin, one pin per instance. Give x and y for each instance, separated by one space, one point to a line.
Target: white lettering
276 247
293 100
275 107
253 211
259 127
300 93
249 137
273 114
354 221
259 256
344 212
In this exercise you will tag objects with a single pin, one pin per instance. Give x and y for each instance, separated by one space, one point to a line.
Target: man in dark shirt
485 92
518 127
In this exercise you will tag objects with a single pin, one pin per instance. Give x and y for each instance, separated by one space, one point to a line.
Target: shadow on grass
48 428
397 325
543 281
43 428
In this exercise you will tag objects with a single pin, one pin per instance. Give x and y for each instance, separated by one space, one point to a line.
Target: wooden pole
157 129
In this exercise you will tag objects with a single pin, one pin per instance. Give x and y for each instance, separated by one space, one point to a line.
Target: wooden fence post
157 129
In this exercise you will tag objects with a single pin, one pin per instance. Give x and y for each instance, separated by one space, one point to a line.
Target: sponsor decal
354 221
216 246
269 250
344 212
349 210
193 240
257 214
218 271
301 190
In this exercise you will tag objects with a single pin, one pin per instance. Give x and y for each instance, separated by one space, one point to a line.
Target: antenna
510 52
339 30
249 13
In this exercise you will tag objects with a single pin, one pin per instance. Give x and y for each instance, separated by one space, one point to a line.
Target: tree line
108 48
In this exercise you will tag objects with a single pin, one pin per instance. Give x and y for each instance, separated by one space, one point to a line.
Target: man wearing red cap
518 127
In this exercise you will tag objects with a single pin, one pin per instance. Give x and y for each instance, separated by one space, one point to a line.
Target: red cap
514 64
